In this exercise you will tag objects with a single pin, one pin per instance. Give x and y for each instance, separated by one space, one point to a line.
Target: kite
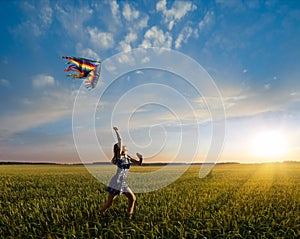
88 70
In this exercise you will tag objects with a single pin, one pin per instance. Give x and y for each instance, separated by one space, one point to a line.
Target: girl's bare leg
109 202
131 200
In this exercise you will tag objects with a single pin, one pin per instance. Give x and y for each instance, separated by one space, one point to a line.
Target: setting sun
269 144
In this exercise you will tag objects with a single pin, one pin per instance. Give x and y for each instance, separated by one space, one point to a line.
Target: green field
234 201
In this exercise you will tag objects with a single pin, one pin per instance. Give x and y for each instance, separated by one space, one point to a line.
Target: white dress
118 184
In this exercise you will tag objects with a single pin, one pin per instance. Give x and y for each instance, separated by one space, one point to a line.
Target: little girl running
117 184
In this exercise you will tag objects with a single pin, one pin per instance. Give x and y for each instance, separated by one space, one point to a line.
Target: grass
234 201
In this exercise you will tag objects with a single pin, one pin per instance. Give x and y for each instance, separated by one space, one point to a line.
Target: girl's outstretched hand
115 128
140 157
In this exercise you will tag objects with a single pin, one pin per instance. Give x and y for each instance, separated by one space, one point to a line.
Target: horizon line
144 164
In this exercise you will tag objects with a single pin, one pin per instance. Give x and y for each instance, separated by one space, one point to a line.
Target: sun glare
269 144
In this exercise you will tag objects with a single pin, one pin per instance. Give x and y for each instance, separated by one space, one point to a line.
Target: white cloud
5 60
267 86
86 52
135 22
207 21
129 38
171 24
129 13
38 19
178 41
183 36
103 40
233 5
143 22
46 15
145 60
27 7
73 19
109 66
178 10
138 72
155 37
27 102
134 19
41 81
114 7
161 5
4 82
124 46
126 59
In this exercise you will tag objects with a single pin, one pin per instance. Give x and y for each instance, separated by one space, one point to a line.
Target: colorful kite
88 70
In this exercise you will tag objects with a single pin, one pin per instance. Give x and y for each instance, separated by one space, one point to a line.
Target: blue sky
249 48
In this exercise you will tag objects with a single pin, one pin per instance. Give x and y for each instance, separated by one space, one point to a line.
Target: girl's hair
116 154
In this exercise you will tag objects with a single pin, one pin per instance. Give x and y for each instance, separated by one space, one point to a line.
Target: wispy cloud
267 86
42 80
4 83
252 102
19 121
115 10
48 102
73 19
233 5
38 19
178 11
207 21
129 13
183 36
46 15
86 52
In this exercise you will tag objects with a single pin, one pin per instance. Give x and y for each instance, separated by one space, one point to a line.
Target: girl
117 184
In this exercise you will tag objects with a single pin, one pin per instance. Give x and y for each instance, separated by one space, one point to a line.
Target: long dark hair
116 154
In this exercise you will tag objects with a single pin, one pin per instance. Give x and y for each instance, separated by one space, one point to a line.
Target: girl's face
124 149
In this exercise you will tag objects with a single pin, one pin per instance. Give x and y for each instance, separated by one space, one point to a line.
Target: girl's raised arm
119 138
